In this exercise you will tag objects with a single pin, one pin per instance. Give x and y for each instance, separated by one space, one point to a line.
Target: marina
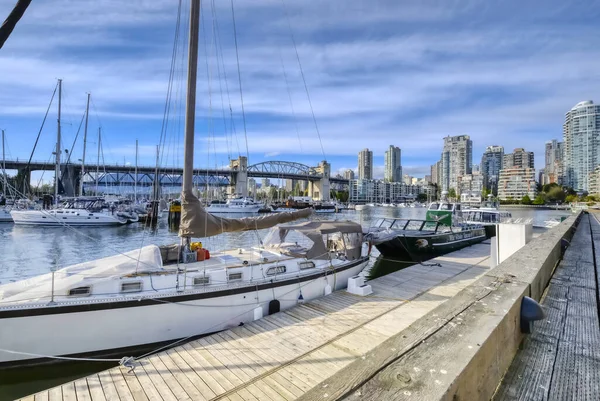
313 201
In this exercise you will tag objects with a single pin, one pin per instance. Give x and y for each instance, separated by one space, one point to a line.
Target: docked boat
488 215
144 299
235 205
83 211
419 240
5 216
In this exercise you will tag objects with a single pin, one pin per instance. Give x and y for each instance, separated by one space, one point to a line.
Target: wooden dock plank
108 386
41 396
213 377
55 394
193 384
96 391
68 392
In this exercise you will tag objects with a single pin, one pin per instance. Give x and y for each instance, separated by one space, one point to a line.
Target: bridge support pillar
23 181
69 180
239 180
320 190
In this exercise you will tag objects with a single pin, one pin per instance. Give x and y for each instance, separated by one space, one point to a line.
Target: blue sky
379 72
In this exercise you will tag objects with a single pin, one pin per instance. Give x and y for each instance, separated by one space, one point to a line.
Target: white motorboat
138 300
236 205
5 216
85 211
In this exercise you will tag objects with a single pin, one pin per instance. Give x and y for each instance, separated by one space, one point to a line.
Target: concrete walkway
561 359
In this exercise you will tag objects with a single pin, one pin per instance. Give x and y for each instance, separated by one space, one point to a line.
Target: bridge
235 177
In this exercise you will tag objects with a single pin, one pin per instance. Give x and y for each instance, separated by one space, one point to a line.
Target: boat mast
190 104
135 177
57 168
87 112
98 159
156 178
3 167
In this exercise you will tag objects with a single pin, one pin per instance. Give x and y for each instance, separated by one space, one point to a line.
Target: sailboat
82 211
155 296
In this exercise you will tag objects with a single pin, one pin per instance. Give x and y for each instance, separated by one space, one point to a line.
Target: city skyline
398 73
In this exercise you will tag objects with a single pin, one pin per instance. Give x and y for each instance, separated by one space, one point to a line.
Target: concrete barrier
462 349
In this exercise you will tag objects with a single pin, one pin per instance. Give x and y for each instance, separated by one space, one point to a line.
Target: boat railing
411 224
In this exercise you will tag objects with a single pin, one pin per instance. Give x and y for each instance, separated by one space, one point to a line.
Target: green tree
422 197
539 200
526 200
452 193
485 193
556 194
571 198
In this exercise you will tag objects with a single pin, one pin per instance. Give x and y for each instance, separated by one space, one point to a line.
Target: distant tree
539 200
422 197
526 200
485 193
571 198
452 193
546 188
556 194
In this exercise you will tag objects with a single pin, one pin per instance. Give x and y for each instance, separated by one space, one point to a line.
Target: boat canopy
325 236
197 222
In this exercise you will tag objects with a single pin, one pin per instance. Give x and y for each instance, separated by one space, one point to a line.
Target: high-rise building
457 160
516 182
581 135
349 174
491 164
393 164
365 164
518 158
407 179
553 167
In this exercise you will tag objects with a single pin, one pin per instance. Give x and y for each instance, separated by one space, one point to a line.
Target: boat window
134 286
235 276
458 206
434 206
488 217
271 271
201 280
306 265
80 291
446 206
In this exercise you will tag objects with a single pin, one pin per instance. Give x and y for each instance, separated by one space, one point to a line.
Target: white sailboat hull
5 216
64 217
101 332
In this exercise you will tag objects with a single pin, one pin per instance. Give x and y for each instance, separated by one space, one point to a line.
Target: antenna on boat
87 112
57 168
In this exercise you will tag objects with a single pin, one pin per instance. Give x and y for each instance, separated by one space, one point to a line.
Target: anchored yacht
236 205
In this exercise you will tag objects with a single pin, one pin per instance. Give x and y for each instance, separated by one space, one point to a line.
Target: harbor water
30 251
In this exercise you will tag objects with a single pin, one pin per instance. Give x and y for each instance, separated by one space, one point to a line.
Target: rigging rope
303 78
239 78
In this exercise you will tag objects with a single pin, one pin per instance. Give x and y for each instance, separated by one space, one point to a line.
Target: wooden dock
285 355
561 358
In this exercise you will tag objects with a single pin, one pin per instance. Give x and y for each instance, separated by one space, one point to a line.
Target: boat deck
285 355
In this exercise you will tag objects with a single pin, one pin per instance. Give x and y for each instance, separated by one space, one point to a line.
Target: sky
377 73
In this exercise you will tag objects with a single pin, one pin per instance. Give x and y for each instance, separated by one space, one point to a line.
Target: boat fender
245 263
327 289
274 306
258 313
300 298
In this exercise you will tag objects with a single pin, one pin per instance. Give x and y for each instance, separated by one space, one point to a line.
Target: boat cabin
443 212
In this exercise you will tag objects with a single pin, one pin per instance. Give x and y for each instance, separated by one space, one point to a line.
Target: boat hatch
203 280
132 286
306 265
235 276
80 291
271 271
